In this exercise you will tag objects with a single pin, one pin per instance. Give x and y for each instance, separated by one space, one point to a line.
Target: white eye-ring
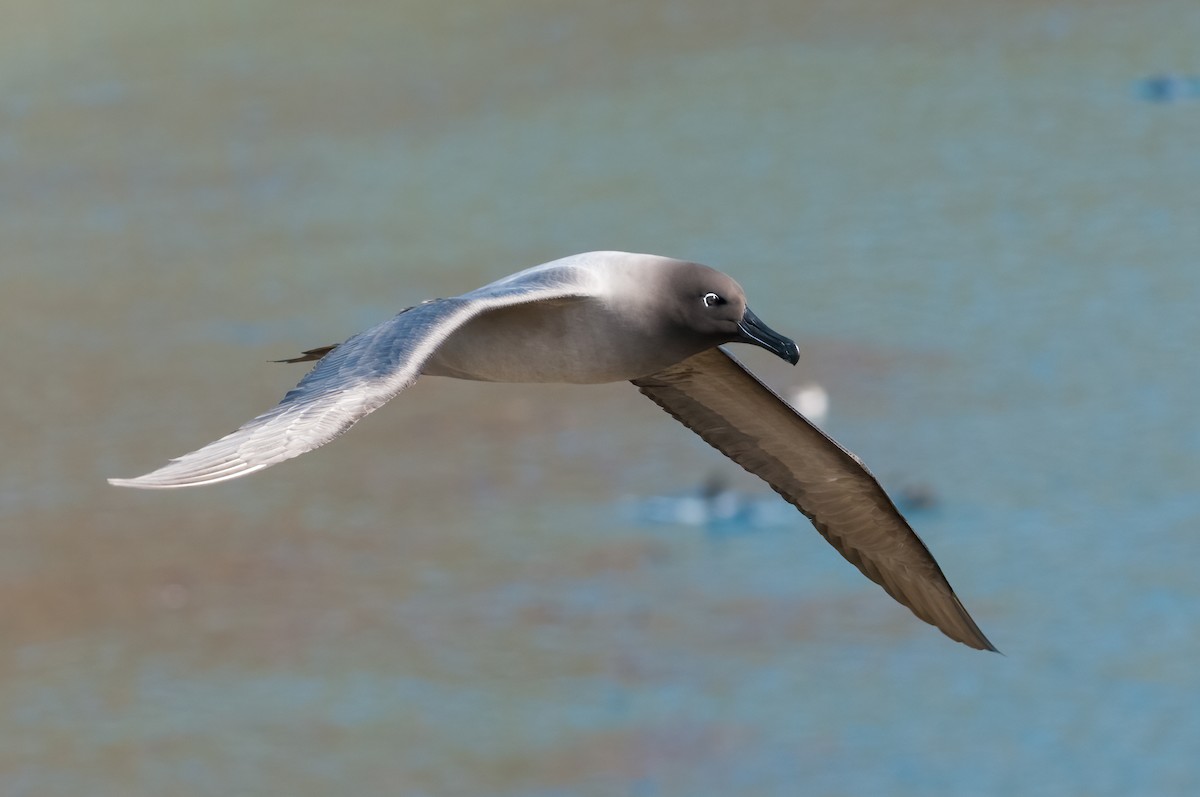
710 299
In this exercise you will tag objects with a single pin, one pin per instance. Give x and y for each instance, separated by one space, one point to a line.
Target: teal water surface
977 227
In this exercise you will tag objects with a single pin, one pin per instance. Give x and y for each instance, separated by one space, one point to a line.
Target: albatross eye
711 299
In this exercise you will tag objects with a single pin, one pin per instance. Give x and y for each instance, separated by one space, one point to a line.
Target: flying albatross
606 317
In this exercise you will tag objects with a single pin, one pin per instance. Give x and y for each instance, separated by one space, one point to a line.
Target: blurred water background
979 220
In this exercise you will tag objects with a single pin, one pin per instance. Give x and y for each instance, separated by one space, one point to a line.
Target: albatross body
605 317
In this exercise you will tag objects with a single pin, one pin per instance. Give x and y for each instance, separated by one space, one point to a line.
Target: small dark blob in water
718 507
916 498
1166 88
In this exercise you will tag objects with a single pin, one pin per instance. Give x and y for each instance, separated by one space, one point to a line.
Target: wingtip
171 477
140 483
966 630
989 647
980 642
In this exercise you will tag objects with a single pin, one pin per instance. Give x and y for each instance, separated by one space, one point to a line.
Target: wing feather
352 380
717 398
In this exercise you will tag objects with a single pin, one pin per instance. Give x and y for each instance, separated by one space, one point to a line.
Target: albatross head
713 305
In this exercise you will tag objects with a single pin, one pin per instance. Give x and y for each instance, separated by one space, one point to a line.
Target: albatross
596 317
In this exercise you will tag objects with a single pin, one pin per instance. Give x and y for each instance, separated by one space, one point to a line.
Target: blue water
983 239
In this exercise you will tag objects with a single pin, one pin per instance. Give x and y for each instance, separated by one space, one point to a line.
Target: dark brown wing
717 398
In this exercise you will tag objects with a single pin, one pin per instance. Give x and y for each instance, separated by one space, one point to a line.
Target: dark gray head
711 304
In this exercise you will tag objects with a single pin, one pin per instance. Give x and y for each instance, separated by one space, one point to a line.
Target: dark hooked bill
755 331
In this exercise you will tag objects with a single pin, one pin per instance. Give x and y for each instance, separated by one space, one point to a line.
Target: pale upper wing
717 398
354 379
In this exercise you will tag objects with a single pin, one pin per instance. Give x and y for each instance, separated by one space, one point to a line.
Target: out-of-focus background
979 220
